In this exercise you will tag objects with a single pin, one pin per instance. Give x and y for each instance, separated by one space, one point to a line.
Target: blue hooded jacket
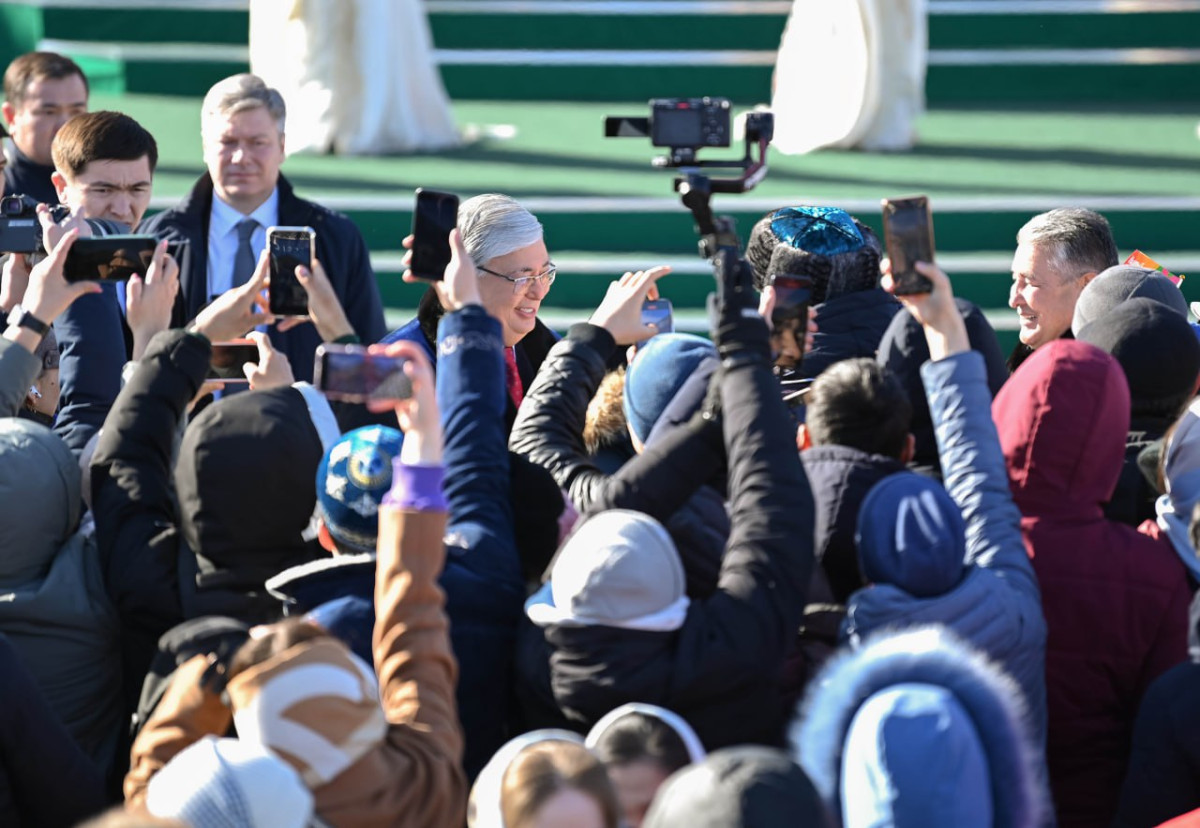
929 562
917 729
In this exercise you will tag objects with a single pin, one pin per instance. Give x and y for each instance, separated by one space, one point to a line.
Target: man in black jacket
613 622
220 227
42 91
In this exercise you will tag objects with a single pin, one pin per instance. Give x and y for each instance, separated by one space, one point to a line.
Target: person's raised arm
413 659
746 628
549 426
960 404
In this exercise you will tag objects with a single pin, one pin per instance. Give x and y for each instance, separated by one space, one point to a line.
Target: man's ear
60 186
1087 277
325 539
9 112
910 448
803 438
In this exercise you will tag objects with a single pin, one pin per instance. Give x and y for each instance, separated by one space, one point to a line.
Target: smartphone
229 357
908 233
289 247
793 295
352 374
109 258
659 312
434 216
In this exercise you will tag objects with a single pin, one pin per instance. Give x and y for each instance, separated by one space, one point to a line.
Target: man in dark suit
220 226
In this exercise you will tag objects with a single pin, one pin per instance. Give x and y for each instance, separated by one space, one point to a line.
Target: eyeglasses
521 283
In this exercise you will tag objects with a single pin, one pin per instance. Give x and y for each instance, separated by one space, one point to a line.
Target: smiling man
1058 253
505 242
42 91
221 226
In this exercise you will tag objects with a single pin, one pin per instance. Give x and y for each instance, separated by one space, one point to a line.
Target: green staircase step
656 24
664 227
983 278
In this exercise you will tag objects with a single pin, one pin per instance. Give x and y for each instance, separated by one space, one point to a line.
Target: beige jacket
413 775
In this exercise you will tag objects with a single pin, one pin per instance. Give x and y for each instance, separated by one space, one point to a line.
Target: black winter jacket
665 481
242 499
849 326
722 669
46 781
840 477
340 249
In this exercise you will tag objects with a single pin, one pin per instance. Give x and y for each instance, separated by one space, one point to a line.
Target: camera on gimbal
684 126
20 230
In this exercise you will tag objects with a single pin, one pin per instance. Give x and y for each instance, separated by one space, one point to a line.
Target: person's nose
1015 298
122 203
537 289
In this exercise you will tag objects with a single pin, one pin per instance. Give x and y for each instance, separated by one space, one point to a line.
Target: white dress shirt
223 239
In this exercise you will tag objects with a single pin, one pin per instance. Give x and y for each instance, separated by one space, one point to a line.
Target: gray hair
1075 240
241 93
495 225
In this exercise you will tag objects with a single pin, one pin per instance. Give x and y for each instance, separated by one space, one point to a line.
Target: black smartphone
289 247
908 234
352 374
229 357
434 216
793 295
658 312
109 258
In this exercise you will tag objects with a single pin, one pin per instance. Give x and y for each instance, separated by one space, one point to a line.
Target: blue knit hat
911 535
657 372
352 479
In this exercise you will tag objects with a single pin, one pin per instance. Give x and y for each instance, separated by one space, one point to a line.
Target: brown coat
414 777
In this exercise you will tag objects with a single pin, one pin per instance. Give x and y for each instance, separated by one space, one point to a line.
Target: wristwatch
21 318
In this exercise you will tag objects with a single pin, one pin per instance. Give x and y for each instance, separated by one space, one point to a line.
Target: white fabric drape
850 73
358 76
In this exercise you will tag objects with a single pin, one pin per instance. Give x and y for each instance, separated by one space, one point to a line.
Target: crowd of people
618 577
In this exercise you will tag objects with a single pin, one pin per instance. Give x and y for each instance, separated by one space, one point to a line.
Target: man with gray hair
1058 253
221 225
505 242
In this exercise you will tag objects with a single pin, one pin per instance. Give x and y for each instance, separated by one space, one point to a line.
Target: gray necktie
243 260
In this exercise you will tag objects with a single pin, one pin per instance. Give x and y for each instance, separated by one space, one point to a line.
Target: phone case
908 234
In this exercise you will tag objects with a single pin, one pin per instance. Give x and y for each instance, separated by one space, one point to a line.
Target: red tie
513 377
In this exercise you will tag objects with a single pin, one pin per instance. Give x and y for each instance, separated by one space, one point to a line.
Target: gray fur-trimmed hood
932 657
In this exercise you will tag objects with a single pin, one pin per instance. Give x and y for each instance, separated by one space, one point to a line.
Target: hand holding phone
109 258
789 316
660 314
228 359
351 373
289 247
908 233
435 214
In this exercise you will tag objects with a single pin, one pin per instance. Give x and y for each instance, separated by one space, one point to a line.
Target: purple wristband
416 487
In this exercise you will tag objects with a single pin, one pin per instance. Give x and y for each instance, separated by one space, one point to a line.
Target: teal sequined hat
836 251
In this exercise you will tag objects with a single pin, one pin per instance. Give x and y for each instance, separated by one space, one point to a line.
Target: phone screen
908 232
434 216
109 258
658 312
352 374
229 357
289 247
